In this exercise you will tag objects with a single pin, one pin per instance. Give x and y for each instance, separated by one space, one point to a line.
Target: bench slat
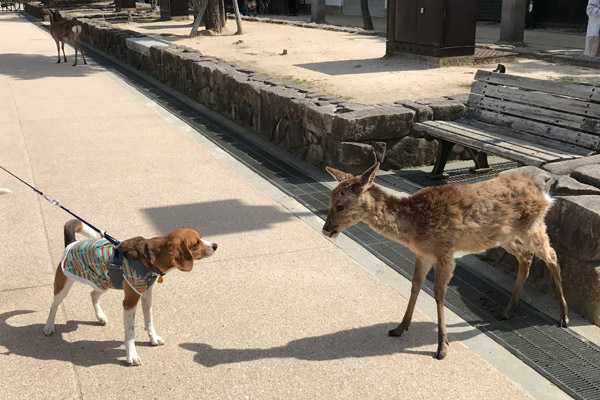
488 138
579 139
545 100
587 93
534 112
487 144
550 146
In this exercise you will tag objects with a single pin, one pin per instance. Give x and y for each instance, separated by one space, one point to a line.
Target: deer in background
65 31
437 222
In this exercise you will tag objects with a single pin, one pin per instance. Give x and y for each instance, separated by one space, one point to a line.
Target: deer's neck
388 215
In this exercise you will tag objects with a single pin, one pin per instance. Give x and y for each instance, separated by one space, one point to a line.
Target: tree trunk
367 21
238 17
215 15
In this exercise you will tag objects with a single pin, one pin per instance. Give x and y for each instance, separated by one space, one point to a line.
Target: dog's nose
214 246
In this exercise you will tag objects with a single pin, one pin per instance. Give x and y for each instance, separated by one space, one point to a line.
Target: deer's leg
58 49
82 55
524 255
546 253
444 269
422 267
75 63
63 49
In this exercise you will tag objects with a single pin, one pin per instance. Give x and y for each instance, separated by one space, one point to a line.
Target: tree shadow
35 66
217 217
365 66
369 341
29 341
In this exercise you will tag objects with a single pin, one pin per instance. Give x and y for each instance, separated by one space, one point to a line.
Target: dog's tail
75 226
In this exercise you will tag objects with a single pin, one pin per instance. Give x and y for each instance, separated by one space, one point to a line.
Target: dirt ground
344 65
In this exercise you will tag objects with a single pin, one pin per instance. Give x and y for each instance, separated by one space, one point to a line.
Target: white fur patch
88 232
76 29
209 245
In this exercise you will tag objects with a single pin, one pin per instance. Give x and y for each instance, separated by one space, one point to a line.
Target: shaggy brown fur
437 222
65 31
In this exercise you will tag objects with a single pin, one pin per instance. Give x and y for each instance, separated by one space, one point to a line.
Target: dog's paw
101 317
48 330
133 359
156 340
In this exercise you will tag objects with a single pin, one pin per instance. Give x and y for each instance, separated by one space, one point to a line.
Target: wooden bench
531 121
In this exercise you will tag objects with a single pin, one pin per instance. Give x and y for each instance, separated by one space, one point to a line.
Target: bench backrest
555 111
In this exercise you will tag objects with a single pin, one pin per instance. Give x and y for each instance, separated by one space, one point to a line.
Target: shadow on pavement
363 66
29 341
35 66
369 341
217 217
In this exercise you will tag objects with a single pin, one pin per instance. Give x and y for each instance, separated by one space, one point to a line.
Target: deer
64 30
436 223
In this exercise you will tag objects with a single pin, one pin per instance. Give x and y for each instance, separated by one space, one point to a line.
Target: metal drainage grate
560 355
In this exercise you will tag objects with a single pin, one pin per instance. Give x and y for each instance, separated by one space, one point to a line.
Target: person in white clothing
592 39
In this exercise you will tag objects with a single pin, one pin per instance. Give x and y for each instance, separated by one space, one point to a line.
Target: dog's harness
102 265
115 268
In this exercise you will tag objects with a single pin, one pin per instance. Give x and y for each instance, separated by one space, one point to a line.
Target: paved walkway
278 312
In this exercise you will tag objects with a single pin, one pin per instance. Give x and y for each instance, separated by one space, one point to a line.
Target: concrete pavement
278 312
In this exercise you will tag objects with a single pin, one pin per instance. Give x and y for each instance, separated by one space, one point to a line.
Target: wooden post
317 11
512 24
201 9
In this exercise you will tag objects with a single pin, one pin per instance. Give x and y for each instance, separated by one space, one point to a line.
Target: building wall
558 13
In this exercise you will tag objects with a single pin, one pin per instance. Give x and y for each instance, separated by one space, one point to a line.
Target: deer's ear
337 174
366 179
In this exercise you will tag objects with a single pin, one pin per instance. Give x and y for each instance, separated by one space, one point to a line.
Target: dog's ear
173 252
134 247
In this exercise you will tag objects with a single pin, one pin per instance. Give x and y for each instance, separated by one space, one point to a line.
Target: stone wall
316 127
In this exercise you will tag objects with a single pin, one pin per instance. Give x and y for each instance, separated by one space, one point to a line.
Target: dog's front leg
129 306
155 340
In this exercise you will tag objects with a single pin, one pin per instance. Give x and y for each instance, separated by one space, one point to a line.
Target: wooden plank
550 146
501 141
487 145
544 150
536 113
583 92
201 9
545 100
535 128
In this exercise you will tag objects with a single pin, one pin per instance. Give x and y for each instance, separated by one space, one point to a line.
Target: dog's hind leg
147 309
62 285
100 316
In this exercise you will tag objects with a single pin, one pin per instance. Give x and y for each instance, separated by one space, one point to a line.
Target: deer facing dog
65 31
436 222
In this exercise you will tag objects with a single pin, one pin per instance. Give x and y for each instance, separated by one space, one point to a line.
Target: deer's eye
339 208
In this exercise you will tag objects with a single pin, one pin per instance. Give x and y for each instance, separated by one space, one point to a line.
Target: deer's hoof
398 331
440 355
564 322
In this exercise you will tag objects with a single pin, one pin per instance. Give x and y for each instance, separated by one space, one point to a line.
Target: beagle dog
144 261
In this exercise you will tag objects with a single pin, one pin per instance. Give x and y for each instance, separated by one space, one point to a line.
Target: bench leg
480 160
444 149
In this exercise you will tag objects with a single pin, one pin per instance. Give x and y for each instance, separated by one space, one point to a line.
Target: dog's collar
152 266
